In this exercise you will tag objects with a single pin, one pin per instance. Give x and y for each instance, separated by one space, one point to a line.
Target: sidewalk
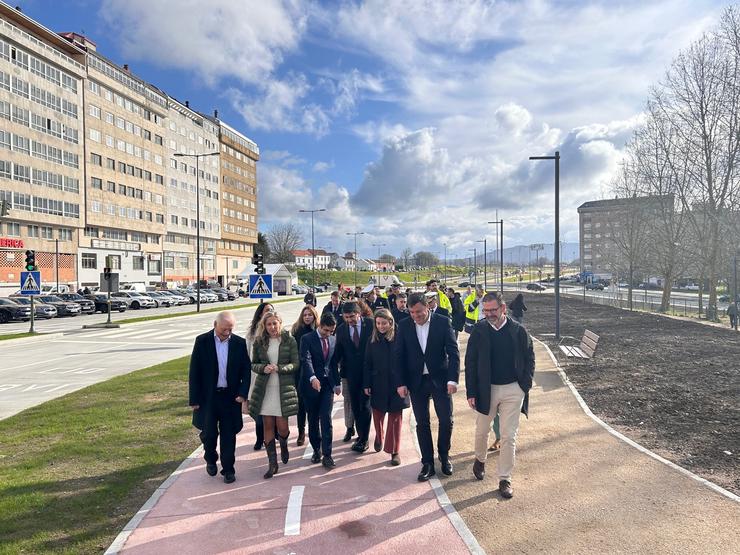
362 506
579 489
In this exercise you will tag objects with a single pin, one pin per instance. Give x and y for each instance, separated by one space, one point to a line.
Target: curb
132 524
32 339
628 441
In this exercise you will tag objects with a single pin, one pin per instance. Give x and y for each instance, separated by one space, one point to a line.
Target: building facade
188 132
305 258
41 148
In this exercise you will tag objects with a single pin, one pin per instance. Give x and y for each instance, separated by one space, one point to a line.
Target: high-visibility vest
471 313
444 302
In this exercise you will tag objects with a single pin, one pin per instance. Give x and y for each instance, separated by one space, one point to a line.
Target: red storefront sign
11 243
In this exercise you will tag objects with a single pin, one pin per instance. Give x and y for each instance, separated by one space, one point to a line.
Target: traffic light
106 273
4 206
30 261
257 260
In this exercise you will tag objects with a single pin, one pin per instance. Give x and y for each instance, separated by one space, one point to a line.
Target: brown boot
301 438
479 469
272 464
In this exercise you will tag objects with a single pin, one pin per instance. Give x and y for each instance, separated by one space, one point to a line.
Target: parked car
101 303
221 294
12 311
464 284
159 299
135 300
86 305
40 310
536 287
175 298
595 286
64 308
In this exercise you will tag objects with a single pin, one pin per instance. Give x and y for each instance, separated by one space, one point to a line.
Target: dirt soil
671 385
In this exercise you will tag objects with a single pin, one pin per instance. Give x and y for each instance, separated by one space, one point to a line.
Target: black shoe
479 469
378 445
211 469
427 471
258 444
446 467
348 435
229 478
328 462
360 446
301 438
316 457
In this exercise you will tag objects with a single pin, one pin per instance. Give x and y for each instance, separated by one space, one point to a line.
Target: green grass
18 335
74 470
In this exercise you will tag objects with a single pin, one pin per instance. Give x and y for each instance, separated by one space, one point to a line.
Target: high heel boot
272 466
284 454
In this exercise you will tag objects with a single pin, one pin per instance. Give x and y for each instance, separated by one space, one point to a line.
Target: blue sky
409 120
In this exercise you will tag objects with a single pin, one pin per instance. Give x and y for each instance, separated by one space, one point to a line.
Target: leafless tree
282 240
406 255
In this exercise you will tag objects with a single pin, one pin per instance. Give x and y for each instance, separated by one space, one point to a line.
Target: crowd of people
383 352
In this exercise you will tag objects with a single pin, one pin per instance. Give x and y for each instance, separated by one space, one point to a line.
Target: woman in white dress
273 395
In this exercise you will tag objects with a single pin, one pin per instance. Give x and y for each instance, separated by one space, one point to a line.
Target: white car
135 300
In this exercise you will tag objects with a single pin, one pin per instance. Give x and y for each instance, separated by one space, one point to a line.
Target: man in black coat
349 355
334 306
427 365
399 310
499 368
458 310
433 304
219 383
319 384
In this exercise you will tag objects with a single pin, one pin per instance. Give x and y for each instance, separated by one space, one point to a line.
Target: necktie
325 347
356 336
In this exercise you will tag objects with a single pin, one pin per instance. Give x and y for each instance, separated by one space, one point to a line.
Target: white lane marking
293 514
628 441
309 450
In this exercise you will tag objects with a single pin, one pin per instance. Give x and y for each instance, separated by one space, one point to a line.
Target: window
114 261
174 219
111 186
93 87
89 261
5 139
95 135
94 111
21 173
5 169
33 231
21 144
14 229
96 206
65 234
47 232
96 183
96 159
158 140
110 163
160 218
4 109
92 232
155 267
138 263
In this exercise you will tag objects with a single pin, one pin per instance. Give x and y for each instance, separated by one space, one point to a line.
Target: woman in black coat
306 323
458 311
517 308
378 384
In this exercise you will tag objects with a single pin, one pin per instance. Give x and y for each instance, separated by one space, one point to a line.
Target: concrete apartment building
189 132
239 157
41 152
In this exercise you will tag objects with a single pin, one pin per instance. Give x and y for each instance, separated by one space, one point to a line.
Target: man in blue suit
319 383
427 365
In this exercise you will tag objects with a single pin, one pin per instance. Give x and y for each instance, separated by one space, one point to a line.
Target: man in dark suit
334 306
319 384
219 383
352 337
433 304
427 365
399 309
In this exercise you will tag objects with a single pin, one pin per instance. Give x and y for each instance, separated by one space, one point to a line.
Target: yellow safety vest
471 313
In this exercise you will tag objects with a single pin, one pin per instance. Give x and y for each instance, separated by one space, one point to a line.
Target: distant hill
521 254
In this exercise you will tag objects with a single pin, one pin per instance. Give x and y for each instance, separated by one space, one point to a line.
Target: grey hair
221 317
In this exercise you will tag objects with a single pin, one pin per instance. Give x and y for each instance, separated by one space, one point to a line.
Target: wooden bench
586 349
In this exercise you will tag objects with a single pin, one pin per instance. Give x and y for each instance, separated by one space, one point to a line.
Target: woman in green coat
273 396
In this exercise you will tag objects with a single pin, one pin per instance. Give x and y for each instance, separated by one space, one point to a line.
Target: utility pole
501 251
485 263
355 233
313 250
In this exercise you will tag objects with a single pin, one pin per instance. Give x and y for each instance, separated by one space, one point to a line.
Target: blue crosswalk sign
260 286
30 283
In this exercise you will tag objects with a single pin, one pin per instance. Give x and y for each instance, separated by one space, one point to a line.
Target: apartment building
190 133
41 152
239 157
304 258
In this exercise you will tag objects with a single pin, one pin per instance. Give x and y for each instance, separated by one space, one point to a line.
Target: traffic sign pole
32 316
108 322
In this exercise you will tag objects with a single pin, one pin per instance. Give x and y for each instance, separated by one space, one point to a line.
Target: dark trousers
361 409
301 411
220 422
443 407
319 407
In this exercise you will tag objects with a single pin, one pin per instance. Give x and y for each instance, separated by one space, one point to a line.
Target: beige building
41 152
239 157
189 132
124 172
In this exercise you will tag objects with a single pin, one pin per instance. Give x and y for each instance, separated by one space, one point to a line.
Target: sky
411 121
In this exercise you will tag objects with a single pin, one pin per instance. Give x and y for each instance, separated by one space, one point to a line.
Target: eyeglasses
491 310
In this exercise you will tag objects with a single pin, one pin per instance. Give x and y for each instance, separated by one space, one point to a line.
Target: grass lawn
17 335
74 470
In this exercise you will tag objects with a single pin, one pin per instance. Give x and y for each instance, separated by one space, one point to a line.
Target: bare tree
282 240
406 255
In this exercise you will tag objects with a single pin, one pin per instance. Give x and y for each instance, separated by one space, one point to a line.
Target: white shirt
501 326
422 334
222 355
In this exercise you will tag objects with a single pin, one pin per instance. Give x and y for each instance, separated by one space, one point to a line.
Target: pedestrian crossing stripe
260 288
30 283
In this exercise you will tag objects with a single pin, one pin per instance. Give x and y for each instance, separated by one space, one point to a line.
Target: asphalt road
34 371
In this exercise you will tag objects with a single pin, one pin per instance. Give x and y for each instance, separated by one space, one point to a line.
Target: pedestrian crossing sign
30 283
260 286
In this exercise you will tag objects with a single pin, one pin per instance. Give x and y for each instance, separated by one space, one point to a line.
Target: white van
138 286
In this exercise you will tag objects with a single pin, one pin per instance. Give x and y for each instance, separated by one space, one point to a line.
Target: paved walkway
578 489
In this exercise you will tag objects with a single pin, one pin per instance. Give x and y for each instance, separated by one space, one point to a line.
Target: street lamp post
557 236
313 250
485 263
197 217
355 233
445 270
378 245
501 250
475 265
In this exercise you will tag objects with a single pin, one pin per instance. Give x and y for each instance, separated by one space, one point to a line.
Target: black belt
222 389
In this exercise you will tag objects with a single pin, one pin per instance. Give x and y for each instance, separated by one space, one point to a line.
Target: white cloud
320 167
217 39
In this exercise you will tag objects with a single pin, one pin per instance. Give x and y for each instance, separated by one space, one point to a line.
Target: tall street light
379 245
197 217
557 236
445 272
485 263
475 265
313 250
500 248
355 233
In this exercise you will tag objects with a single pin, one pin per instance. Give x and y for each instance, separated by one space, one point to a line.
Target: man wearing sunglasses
499 367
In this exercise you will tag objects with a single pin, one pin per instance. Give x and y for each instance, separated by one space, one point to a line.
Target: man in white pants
499 367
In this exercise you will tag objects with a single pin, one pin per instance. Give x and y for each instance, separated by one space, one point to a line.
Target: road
35 371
